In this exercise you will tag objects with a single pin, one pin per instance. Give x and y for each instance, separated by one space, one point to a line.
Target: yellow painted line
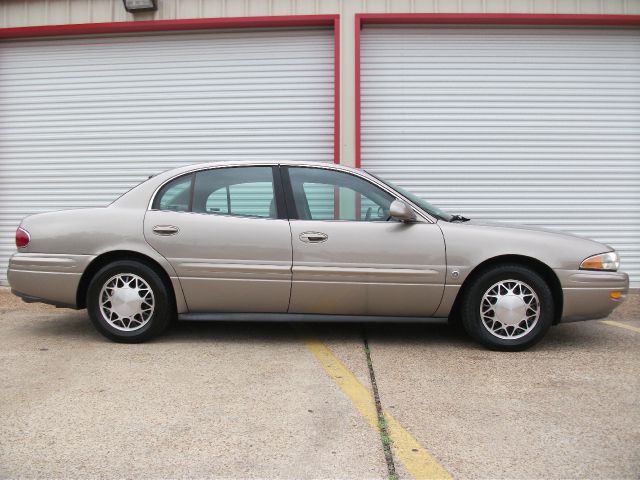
620 325
417 459
347 381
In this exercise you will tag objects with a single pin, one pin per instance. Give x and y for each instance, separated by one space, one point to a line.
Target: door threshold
301 317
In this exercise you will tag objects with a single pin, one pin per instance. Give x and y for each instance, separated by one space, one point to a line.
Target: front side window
239 191
321 194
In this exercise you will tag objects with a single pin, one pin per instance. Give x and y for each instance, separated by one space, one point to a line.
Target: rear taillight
22 238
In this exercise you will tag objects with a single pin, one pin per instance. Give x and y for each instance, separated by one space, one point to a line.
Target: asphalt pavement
279 400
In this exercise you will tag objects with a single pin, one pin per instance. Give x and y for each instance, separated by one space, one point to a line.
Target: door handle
313 237
165 230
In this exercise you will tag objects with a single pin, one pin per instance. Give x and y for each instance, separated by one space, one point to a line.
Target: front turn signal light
604 261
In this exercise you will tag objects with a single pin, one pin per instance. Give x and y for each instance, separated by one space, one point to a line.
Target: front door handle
165 230
313 237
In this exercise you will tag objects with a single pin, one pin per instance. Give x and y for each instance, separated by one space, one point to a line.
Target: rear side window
175 195
237 191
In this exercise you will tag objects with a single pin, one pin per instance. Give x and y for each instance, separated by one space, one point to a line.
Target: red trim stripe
336 89
498 19
169 25
358 118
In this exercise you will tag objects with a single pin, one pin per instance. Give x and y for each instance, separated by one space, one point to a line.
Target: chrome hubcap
509 309
126 302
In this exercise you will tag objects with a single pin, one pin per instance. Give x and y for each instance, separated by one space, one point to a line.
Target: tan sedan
305 241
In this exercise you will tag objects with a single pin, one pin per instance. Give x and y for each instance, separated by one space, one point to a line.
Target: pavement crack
383 427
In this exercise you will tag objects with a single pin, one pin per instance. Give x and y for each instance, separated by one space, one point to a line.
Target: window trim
421 214
282 205
192 190
281 212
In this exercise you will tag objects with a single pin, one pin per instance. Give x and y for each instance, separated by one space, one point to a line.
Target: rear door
225 232
349 257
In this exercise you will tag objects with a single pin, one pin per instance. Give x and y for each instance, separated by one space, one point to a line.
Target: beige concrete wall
19 13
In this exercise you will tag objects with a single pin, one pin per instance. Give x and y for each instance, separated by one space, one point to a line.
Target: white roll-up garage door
84 119
536 126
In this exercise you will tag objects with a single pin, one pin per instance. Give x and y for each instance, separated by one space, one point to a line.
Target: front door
349 257
225 232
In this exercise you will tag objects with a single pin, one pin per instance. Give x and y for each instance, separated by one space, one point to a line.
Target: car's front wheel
508 307
128 302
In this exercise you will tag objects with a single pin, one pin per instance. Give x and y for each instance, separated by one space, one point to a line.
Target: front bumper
47 278
587 294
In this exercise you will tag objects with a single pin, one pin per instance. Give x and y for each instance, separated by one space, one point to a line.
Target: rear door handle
165 230
313 237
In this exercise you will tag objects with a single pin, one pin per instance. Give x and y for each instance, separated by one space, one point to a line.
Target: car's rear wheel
128 302
508 307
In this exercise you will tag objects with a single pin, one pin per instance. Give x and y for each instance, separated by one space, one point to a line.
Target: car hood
528 228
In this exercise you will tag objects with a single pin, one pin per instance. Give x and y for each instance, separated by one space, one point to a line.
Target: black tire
472 301
163 305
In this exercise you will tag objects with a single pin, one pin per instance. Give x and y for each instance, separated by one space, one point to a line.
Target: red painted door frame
469 19
201 24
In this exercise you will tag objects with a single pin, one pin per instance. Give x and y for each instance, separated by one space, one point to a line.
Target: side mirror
401 211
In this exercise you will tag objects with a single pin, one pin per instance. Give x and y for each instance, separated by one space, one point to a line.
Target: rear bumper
31 299
587 294
47 278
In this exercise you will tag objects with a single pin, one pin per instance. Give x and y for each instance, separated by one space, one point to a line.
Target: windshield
423 204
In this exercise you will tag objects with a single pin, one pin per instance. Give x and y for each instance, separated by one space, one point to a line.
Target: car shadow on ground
76 326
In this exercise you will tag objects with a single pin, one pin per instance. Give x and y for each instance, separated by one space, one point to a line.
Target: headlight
603 261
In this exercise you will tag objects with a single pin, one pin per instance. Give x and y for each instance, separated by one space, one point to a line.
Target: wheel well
537 266
109 257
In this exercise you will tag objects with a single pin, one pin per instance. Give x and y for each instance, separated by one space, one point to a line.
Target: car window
321 194
175 195
240 191
421 202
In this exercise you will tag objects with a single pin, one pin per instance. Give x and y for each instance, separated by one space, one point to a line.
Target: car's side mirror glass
401 211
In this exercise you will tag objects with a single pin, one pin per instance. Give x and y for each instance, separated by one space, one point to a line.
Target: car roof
299 163
176 171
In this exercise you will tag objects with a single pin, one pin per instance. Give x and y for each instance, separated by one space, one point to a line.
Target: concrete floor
567 408
250 400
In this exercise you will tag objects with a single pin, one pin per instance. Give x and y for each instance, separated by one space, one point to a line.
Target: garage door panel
85 119
527 125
